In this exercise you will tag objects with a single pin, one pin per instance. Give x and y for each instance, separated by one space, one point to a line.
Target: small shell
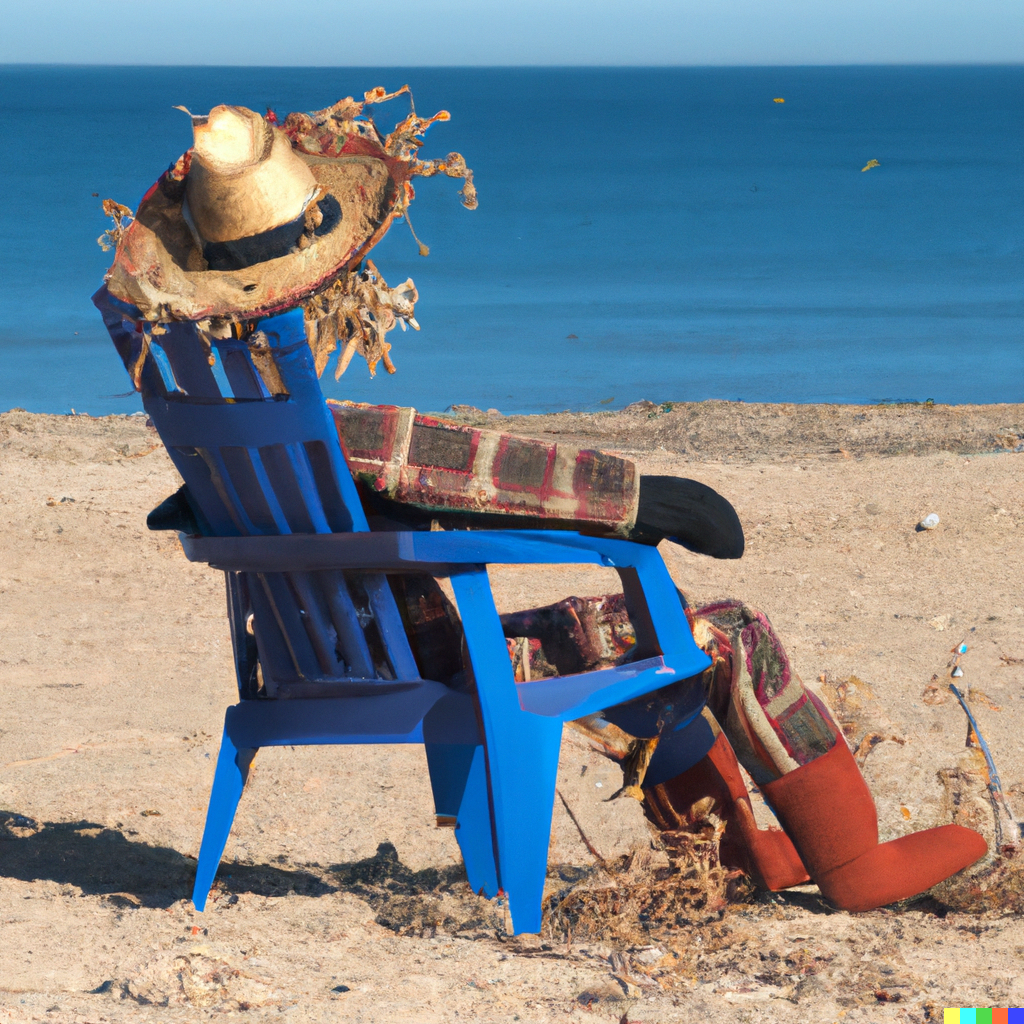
929 522
957 672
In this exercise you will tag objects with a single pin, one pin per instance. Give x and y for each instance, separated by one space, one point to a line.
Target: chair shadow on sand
108 862
103 861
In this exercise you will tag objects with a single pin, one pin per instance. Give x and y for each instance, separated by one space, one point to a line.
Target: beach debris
1011 442
634 769
869 165
859 714
649 895
995 786
593 851
954 663
933 694
929 522
976 696
778 99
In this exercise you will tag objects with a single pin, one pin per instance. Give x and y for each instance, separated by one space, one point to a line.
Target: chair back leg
522 756
228 781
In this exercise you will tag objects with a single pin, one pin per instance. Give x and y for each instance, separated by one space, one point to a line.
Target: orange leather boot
767 855
827 810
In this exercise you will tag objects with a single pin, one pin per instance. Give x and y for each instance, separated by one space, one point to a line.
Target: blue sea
668 234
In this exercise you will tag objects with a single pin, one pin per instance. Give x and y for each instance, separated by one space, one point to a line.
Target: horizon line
530 67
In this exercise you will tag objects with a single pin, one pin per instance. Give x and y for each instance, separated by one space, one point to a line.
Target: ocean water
670 234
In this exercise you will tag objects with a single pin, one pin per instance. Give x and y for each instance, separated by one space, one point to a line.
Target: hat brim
151 266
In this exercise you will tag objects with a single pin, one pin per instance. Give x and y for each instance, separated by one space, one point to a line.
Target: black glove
175 513
689 513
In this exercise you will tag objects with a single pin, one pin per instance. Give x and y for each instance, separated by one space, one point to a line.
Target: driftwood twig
579 828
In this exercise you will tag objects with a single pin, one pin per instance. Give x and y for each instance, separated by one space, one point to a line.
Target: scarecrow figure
262 216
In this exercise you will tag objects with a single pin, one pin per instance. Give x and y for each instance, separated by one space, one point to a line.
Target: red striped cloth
437 465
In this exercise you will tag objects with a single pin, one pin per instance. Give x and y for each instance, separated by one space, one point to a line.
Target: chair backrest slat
262 464
221 519
239 370
225 486
188 362
254 495
323 467
305 487
293 488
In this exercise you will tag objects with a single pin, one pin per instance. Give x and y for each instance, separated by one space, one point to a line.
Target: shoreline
715 429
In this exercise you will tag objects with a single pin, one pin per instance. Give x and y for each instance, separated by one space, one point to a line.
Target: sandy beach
340 899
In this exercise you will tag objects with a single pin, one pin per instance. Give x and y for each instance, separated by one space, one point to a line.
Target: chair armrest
571 697
412 552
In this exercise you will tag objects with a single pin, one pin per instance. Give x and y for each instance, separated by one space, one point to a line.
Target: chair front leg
228 781
458 776
522 755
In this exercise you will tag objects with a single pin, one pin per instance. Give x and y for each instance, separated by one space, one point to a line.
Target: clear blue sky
456 32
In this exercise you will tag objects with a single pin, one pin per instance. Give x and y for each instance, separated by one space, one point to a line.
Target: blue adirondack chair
321 654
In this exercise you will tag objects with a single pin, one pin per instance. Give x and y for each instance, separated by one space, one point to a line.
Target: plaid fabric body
574 635
773 722
440 466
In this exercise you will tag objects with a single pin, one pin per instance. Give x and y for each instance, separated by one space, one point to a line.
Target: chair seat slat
346 622
274 654
316 620
277 589
391 627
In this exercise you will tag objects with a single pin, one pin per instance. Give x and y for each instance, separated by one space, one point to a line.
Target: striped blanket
439 466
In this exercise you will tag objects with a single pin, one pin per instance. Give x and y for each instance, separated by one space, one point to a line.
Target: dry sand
115 669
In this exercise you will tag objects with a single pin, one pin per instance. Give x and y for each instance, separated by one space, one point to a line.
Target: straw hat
244 180
258 218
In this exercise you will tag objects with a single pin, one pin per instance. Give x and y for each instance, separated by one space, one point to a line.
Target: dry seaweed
122 216
644 898
998 888
856 708
358 309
